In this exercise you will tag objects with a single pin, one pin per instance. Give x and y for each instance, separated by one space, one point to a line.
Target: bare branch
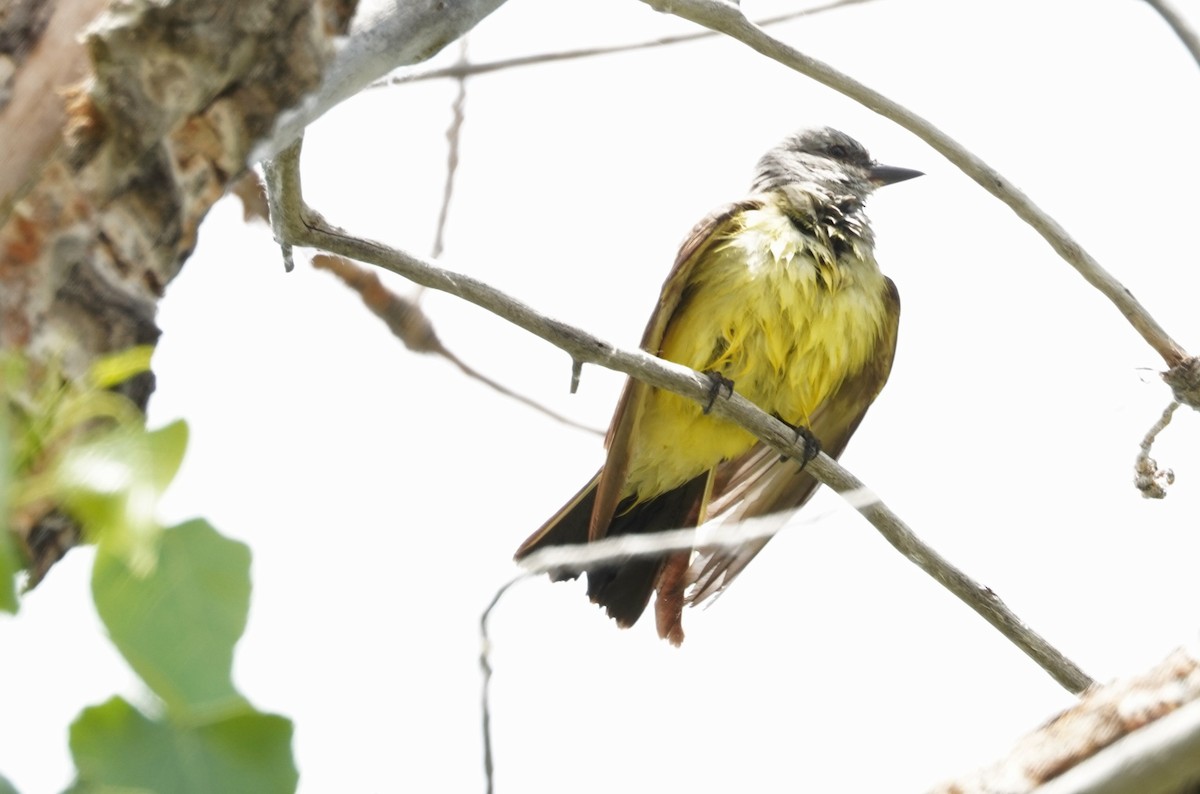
296 224
463 68
727 18
1179 25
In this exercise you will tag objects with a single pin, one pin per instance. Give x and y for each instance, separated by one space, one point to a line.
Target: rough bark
1087 747
123 124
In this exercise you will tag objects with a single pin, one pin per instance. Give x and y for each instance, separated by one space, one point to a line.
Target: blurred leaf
117 368
112 485
10 566
10 561
6 787
178 625
115 746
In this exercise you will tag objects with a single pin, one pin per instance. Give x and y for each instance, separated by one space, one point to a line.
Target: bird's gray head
829 159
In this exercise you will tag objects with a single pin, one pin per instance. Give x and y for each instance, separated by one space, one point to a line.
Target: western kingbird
780 295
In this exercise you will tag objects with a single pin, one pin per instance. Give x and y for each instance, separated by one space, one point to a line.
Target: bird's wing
758 484
609 489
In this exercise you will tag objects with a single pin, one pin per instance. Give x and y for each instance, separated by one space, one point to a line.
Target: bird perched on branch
779 296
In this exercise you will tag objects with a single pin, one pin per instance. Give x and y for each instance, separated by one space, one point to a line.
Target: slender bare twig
621 547
485 666
404 316
727 18
453 136
296 224
464 69
1179 25
617 548
409 323
578 557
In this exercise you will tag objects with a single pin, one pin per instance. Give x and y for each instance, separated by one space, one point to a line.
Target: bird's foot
717 383
812 446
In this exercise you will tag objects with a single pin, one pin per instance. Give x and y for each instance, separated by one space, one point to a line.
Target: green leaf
119 367
10 560
115 746
6 787
10 566
177 626
112 485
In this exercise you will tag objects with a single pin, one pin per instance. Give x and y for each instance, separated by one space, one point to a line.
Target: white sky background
383 494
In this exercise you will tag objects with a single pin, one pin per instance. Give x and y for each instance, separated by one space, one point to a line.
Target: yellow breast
776 312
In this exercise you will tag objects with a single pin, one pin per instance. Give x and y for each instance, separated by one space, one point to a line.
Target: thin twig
1179 25
500 388
579 556
303 226
453 135
485 666
463 69
727 18
409 323
616 548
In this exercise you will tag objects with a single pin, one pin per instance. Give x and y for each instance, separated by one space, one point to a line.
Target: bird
778 296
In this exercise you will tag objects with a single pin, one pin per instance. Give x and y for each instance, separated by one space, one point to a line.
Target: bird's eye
838 151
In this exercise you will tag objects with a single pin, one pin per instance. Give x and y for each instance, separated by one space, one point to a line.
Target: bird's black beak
881 175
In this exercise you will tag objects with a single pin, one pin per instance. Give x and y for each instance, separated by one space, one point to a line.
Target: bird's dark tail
624 587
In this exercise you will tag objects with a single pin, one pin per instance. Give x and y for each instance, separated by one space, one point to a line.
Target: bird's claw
717 382
812 445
